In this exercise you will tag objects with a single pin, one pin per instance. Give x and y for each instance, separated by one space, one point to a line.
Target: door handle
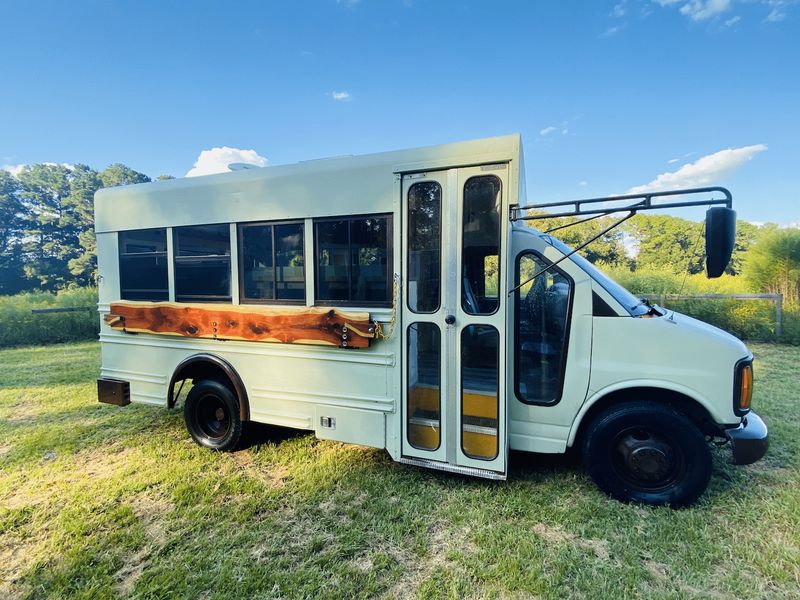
450 319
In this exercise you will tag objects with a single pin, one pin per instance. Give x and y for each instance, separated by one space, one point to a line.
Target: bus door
453 316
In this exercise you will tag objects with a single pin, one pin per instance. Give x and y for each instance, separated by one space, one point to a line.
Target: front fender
670 386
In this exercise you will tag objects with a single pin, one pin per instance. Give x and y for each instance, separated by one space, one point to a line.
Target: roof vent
241 166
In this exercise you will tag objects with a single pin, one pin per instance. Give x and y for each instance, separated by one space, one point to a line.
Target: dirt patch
556 535
274 476
327 506
64 479
151 511
129 574
363 564
5 449
22 413
102 465
444 539
656 569
22 500
332 503
15 557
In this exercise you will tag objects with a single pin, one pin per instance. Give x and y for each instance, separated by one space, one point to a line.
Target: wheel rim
213 418
647 460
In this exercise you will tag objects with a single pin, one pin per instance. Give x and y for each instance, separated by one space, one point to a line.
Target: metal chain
393 323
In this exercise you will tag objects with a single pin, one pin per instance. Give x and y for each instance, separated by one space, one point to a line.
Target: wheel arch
210 366
684 400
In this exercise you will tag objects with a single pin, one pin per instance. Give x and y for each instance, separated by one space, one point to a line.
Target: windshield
632 304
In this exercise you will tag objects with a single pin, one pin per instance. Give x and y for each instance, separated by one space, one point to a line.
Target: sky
609 97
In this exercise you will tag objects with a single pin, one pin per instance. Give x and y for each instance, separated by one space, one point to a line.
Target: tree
668 243
746 235
12 277
607 250
51 226
773 264
119 174
84 182
47 224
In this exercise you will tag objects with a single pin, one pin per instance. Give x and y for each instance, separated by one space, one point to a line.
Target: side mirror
720 238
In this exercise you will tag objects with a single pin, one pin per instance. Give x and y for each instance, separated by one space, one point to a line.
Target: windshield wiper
651 308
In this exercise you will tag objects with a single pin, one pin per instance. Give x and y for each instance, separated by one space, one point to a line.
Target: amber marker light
746 387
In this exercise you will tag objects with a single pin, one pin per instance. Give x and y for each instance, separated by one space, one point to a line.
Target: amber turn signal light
746 387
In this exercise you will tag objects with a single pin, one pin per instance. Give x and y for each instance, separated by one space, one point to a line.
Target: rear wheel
645 452
211 412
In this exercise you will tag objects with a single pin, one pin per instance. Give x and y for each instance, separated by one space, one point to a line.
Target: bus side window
143 265
202 263
354 261
271 262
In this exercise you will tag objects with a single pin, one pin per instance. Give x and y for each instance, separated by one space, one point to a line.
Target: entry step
442 466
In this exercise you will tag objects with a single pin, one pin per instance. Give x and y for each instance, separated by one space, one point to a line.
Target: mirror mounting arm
720 219
643 202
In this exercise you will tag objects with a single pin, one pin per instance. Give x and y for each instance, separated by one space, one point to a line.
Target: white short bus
398 300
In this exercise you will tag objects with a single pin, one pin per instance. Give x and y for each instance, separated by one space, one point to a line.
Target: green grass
102 502
21 327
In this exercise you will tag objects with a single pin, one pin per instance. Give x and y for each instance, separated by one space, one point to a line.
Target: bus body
467 367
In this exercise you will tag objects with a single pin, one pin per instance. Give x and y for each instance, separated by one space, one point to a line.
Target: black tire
649 453
212 417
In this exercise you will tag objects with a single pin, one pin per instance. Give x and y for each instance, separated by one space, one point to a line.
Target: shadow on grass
259 434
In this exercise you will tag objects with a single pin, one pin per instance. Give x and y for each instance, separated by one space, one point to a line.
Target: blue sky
608 96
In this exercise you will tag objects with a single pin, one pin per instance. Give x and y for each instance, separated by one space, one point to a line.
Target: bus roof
315 188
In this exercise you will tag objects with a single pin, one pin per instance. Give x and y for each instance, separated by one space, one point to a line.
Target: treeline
47 224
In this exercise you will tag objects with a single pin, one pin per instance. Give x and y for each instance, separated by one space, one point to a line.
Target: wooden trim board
315 325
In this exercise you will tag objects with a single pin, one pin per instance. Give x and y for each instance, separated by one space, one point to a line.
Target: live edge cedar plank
317 325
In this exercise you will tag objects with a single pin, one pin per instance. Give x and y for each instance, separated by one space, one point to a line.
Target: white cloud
611 31
618 10
777 11
583 183
216 160
13 169
705 171
792 225
775 15
564 131
547 130
342 96
672 161
700 10
348 3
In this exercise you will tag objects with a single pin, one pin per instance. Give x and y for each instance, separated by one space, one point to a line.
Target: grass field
101 502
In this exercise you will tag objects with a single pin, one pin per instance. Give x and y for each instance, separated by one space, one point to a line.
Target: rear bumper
750 440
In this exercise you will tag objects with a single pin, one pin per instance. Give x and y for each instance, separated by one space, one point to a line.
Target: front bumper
750 440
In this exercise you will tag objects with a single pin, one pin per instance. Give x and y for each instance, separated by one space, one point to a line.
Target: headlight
743 387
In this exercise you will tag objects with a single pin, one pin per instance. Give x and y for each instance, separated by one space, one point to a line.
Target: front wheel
211 412
649 453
